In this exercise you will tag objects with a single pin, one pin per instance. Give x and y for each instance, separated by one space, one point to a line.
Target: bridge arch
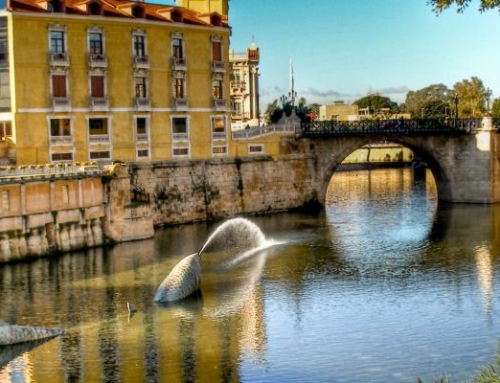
463 156
419 148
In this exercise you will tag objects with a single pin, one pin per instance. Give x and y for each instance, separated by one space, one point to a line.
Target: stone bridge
463 157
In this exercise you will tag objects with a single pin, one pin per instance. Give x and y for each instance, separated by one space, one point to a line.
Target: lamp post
455 98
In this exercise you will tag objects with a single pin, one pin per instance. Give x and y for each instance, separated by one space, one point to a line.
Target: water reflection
385 285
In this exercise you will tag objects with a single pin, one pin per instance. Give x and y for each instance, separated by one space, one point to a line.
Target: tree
376 102
273 112
495 110
429 102
472 97
484 5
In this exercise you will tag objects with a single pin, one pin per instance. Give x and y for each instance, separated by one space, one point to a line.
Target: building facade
245 88
113 80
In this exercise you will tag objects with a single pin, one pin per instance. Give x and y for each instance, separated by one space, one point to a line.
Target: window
100 155
65 194
217 89
60 127
219 128
181 152
96 46
140 87
57 42
98 126
142 153
141 125
5 130
4 52
216 50
179 125
5 200
177 50
178 88
4 90
65 156
59 85
255 149
97 86
219 150
139 45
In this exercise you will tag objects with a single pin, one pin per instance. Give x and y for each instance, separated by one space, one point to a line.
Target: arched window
176 16
57 6
138 12
95 9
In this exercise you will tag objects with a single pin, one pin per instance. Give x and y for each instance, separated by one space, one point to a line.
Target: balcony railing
179 63
220 104
181 104
238 85
61 140
143 103
98 60
142 137
222 136
59 59
99 103
99 139
61 104
180 136
218 66
141 62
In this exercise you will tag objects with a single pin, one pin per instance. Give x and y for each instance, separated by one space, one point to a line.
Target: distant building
338 112
244 87
106 80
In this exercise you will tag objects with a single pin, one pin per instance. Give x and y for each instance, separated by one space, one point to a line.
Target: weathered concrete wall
40 215
190 191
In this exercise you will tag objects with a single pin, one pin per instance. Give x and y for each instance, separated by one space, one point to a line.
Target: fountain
239 235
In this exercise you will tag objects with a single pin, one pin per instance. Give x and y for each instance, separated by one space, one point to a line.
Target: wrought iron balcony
181 104
143 103
61 104
98 139
99 103
219 66
141 62
220 104
98 60
179 63
59 59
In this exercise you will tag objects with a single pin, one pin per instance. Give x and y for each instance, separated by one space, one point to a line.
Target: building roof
120 8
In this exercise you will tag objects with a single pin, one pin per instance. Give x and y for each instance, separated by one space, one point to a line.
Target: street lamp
455 98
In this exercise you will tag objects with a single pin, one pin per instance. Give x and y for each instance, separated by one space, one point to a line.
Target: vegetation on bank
488 374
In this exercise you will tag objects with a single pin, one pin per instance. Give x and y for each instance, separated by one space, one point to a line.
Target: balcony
60 59
141 62
99 139
219 136
99 104
181 104
143 103
98 60
61 104
219 66
179 63
220 104
61 140
142 137
184 137
238 86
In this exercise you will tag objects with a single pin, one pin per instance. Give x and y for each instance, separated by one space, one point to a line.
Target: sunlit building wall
116 80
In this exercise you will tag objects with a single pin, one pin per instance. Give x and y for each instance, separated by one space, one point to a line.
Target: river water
385 285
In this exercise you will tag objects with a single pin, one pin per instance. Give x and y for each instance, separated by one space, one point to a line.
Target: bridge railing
395 127
262 131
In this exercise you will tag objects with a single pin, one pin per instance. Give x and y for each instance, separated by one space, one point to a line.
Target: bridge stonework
466 167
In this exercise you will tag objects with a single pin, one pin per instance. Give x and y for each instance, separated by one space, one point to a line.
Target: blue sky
345 49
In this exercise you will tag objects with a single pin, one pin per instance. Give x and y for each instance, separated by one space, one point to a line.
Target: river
385 285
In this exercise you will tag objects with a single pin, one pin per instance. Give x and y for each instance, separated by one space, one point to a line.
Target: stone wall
190 191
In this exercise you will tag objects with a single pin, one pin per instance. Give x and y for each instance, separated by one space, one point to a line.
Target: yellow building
108 80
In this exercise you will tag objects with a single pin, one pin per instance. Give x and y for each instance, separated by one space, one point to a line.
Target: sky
342 50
